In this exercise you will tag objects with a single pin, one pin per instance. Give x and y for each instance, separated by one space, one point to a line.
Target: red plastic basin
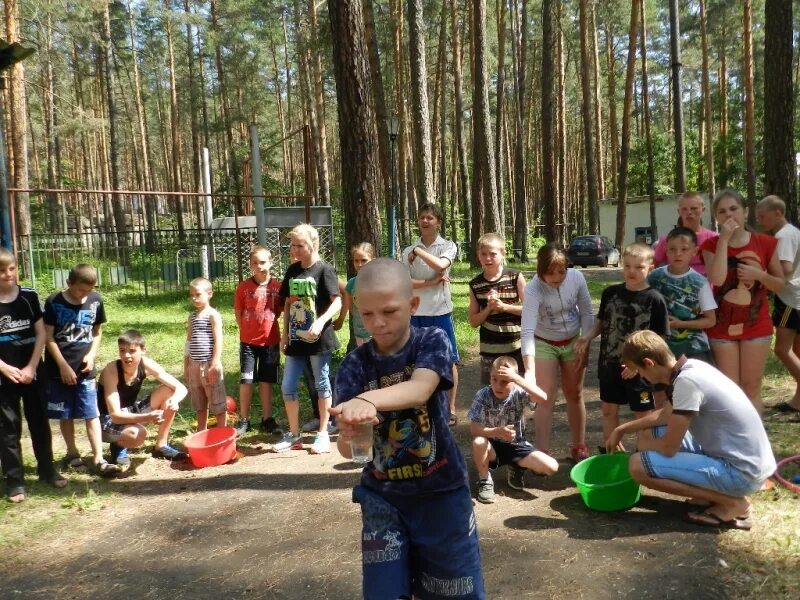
211 447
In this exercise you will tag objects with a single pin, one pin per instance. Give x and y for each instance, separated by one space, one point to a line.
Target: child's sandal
16 495
71 461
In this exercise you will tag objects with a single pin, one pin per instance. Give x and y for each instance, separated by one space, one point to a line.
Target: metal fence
155 261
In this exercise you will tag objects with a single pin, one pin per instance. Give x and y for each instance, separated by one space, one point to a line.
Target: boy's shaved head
385 273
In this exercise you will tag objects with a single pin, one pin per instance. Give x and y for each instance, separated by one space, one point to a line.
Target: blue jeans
293 370
692 467
421 545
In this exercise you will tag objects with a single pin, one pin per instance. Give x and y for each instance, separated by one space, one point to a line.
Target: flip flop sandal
453 421
785 407
688 502
707 519
106 469
16 495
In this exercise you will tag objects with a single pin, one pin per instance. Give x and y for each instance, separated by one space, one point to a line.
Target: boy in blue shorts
497 424
707 443
625 308
419 535
73 321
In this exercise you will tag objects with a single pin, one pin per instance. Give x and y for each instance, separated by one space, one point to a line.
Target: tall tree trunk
779 168
276 83
177 152
626 125
458 131
723 104
598 120
419 101
360 169
321 138
141 118
436 140
113 134
707 114
547 114
677 107
651 176
588 121
613 131
520 184
500 111
482 147
190 80
18 141
379 98
561 130
749 110
231 170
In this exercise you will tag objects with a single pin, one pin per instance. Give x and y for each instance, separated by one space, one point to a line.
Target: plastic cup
361 444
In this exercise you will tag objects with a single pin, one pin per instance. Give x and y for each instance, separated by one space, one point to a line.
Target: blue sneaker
120 456
169 453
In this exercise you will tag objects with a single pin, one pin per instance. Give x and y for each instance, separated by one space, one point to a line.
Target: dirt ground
282 526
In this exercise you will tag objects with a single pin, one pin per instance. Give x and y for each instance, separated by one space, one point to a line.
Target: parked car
592 250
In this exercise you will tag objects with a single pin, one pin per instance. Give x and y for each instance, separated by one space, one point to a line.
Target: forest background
517 116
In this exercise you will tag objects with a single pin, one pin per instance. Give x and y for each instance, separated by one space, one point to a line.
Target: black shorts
507 453
258 363
635 392
785 316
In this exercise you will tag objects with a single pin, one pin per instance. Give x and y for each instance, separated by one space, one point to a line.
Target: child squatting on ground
22 338
123 414
419 534
707 443
73 321
257 305
497 424
202 361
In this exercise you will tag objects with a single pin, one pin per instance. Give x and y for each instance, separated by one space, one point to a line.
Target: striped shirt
201 337
500 332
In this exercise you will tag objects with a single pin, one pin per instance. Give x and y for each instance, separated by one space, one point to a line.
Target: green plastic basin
605 483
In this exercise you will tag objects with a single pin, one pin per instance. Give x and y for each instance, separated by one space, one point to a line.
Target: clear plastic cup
361 444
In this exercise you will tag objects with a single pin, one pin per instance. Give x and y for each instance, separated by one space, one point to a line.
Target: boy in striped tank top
495 305
202 361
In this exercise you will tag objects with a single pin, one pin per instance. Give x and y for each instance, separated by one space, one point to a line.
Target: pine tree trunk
482 146
613 131
521 230
587 110
360 169
17 140
626 126
190 80
500 111
651 177
598 120
749 109
677 104
318 93
779 167
561 132
707 114
423 168
548 133
458 132
379 97
113 134
177 152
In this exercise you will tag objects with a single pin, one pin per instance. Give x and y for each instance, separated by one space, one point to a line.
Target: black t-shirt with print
17 332
72 330
309 292
624 311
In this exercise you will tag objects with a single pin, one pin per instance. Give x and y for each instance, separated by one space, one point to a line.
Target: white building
637 217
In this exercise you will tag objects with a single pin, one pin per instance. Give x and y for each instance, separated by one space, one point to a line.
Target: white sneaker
312 425
322 444
289 441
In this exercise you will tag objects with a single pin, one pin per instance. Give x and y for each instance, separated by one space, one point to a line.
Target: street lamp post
394 127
